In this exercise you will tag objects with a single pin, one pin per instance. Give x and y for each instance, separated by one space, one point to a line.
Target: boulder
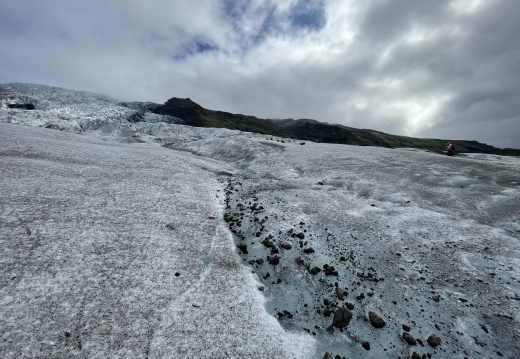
376 320
342 317
314 270
340 293
434 340
407 337
274 260
308 250
242 247
286 245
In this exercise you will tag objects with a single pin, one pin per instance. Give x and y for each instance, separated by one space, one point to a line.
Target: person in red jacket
450 149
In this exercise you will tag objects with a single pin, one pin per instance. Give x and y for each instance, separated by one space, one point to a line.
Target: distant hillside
304 129
196 115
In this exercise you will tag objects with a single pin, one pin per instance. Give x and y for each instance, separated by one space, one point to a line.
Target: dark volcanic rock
376 320
340 293
329 270
436 298
23 106
416 356
406 328
286 245
342 317
434 340
300 235
308 250
260 261
314 270
266 242
242 247
365 345
409 339
327 312
350 306
327 355
274 260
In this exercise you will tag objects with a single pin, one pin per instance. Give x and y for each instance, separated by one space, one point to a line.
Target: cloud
446 69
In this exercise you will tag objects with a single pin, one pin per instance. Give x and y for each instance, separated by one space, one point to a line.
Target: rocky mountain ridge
78 111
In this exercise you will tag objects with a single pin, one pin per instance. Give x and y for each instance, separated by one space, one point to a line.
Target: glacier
126 234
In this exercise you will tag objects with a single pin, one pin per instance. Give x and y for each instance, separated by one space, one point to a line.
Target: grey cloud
387 20
411 67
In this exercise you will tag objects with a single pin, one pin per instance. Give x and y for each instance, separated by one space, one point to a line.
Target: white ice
114 241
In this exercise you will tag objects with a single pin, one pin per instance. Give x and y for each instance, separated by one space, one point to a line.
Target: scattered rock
314 270
327 312
329 270
286 245
327 355
376 320
436 298
342 317
177 274
308 250
434 340
260 261
409 339
330 329
406 328
261 289
340 293
242 247
365 345
300 235
299 261
266 242
23 106
416 356
274 260
350 306
287 314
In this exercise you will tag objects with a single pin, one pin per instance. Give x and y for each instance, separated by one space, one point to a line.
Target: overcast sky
429 68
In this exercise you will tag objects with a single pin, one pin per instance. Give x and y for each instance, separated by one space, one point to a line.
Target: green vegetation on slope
305 129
